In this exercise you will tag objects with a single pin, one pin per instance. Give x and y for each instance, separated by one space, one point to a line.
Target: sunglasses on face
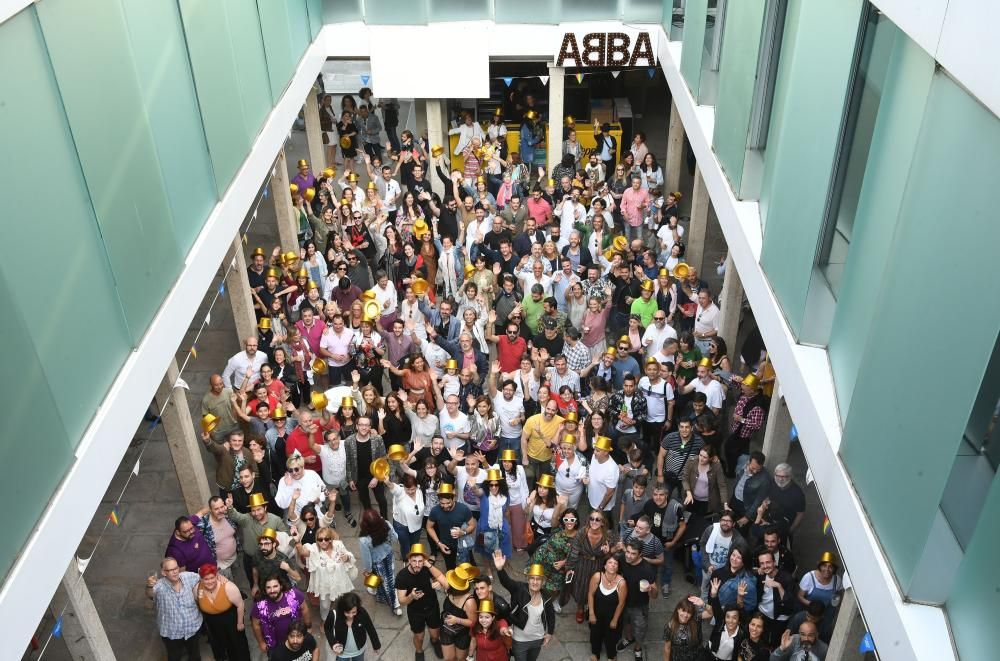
494 484
569 519
324 539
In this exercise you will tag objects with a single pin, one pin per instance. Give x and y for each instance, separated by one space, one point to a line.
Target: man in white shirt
466 132
333 458
298 478
602 480
657 333
243 361
389 192
659 403
570 211
509 409
713 390
536 276
706 321
455 426
385 294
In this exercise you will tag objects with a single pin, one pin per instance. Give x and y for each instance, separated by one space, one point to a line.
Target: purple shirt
276 616
308 181
190 554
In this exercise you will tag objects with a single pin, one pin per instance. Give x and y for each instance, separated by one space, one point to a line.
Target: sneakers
556 607
665 590
624 643
350 519
436 644
418 656
638 655
398 611
370 590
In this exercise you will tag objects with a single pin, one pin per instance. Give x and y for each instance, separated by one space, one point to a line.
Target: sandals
579 616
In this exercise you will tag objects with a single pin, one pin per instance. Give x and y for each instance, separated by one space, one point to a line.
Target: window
875 39
711 55
767 72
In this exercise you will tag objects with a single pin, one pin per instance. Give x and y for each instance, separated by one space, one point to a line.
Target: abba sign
606 49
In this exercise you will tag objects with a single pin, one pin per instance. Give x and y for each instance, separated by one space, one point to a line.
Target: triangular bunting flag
614 74
809 476
245 239
365 79
544 79
222 289
254 217
135 469
154 423
57 629
651 71
826 525
266 193
181 383
81 564
508 80
867 643
194 351
115 516
208 318
579 79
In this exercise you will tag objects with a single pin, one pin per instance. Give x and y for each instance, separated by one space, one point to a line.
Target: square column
698 227
777 431
675 150
557 87
730 307
842 644
185 448
238 288
436 135
314 136
288 228
82 630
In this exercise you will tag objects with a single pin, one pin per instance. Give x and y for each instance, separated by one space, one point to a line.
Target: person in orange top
221 605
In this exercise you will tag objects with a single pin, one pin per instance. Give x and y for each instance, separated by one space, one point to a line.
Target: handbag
672 478
529 533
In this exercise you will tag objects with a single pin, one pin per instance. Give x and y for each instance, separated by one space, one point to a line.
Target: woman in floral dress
553 555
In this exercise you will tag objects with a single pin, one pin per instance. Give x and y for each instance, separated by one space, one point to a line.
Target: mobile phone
569 576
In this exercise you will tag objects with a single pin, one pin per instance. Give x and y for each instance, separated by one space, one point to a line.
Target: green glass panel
527 11
251 65
813 76
643 11
342 11
893 142
33 129
298 28
737 76
218 84
903 502
460 10
975 599
34 434
315 8
161 60
281 63
115 145
673 19
396 12
695 14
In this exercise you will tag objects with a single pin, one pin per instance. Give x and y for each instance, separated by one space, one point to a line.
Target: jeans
390 131
633 233
406 538
666 571
360 657
374 150
527 650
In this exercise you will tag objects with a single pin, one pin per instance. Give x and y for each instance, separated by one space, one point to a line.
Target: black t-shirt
408 581
448 224
633 574
553 346
785 503
492 239
306 652
445 521
422 454
673 509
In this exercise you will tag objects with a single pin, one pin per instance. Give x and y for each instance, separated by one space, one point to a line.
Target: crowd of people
522 367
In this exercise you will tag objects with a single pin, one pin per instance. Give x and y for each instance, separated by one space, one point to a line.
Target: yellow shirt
540 435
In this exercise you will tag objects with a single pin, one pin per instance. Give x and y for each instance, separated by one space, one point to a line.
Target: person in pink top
539 208
311 329
635 201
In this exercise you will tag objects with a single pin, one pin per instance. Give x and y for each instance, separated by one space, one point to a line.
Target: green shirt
250 528
532 311
645 310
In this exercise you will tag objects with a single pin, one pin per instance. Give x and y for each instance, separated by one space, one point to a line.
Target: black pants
735 446
372 376
177 648
365 498
374 150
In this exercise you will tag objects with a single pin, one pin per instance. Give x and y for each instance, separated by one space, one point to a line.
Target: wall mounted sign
626 48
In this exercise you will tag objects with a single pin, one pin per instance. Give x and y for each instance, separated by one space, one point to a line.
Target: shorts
420 620
460 640
638 617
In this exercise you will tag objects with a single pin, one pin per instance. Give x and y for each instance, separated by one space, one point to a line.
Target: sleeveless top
449 608
210 606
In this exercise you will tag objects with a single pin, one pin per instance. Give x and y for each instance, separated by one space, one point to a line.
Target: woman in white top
332 568
407 511
517 492
638 147
545 507
570 469
651 172
468 478
474 324
424 423
572 146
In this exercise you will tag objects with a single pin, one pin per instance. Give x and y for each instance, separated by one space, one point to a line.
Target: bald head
216 383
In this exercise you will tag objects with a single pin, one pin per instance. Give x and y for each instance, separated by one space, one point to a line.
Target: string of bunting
115 515
509 80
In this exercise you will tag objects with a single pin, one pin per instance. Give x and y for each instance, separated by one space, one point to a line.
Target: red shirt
312 335
491 650
298 440
540 210
510 353
275 389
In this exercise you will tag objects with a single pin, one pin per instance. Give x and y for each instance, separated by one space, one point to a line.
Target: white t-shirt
666 237
507 411
391 190
658 336
569 479
464 486
384 295
706 319
603 477
311 489
713 392
517 485
408 511
657 397
459 424
622 427
334 464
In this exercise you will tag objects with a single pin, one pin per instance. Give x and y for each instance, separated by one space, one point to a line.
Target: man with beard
253 525
453 521
269 562
272 616
415 588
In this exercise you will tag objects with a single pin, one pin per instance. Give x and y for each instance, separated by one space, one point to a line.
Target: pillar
698 226
675 150
420 118
288 228
184 444
557 86
238 288
730 306
314 136
842 644
436 135
777 430
82 630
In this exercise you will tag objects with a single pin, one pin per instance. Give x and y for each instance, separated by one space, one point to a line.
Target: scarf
496 505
